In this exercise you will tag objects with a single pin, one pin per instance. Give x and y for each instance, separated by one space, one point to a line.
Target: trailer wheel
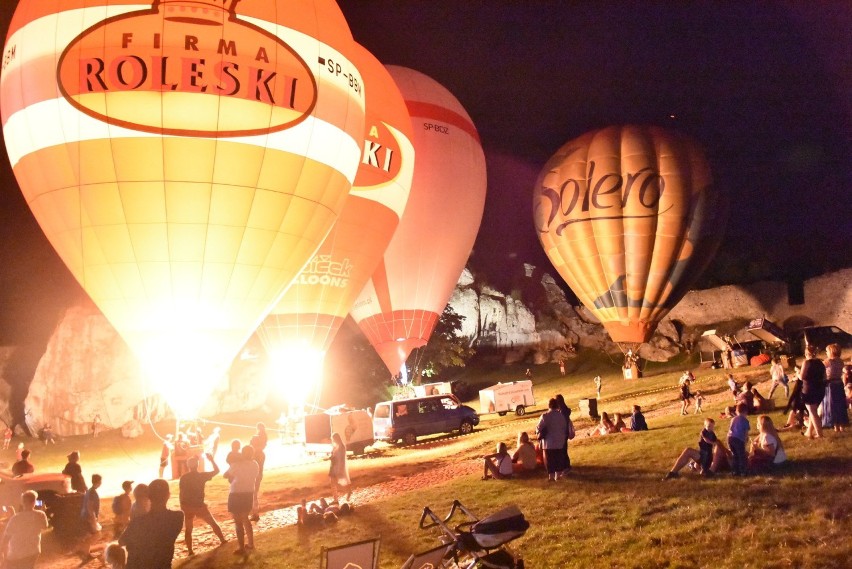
520 411
409 438
502 413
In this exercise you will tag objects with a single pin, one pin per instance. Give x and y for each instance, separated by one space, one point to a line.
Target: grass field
614 510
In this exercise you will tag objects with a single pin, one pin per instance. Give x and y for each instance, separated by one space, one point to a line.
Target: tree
446 347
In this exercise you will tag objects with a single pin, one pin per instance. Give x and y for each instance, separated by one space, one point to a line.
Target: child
637 420
115 556
737 437
598 385
732 385
699 400
7 438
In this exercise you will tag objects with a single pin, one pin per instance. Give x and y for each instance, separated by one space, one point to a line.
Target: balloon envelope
400 305
185 159
629 217
314 306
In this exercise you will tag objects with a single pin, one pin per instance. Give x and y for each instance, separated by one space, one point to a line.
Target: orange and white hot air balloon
629 217
301 327
185 158
400 305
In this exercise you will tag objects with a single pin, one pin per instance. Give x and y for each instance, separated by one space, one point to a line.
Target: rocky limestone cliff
87 369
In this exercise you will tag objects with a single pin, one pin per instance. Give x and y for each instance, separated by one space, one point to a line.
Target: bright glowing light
403 374
295 371
184 368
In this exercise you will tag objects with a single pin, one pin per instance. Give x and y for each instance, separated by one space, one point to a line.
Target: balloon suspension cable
630 350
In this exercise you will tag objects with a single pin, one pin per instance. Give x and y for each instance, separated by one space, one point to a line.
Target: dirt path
205 540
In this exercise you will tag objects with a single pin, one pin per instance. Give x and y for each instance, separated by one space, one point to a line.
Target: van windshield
382 411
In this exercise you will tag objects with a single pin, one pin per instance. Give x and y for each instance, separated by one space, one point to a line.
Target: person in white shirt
21 543
767 450
499 464
778 378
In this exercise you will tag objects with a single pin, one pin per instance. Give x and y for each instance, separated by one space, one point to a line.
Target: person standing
338 471
779 377
835 412
598 383
561 367
813 390
7 438
569 430
89 515
737 437
96 426
121 506
141 502
192 499
685 396
552 431
150 539
260 458
165 453
75 472
242 475
21 542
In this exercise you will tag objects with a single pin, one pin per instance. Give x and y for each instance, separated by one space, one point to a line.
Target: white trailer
514 396
442 388
354 425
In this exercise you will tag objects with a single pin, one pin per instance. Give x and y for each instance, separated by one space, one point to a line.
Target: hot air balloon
185 159
301 327
629 217
400 305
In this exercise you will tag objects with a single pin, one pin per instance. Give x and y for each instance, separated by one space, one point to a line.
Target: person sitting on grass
605 427
703 457
637 420
499 464
767 449
760 404
745 397
524 458
618 424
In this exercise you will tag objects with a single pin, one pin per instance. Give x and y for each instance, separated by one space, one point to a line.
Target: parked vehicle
354 425
501 398
821 336
406 419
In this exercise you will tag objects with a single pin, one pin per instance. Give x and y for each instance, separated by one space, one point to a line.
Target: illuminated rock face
88 370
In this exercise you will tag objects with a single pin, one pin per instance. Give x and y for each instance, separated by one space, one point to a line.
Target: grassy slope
614 510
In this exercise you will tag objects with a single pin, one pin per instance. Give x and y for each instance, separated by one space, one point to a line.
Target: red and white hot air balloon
400 305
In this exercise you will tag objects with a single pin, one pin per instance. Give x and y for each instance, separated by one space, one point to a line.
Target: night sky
765 87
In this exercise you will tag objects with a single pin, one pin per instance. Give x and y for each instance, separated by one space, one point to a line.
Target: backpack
571 432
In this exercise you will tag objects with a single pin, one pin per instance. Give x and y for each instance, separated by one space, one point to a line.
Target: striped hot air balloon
629 217
400 305
185 158
301 327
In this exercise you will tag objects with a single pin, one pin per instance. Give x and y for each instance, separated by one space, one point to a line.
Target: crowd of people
819 396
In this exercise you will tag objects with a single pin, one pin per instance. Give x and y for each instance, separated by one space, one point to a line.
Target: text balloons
185 160
629 217
401 304
311 311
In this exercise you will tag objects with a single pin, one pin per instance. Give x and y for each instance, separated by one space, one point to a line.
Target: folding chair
431 559
360 555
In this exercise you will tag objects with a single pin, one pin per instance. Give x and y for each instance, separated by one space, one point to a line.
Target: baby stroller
479 543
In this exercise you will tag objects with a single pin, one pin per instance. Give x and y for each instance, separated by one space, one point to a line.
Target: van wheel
466 428
409 438
520 411
502 413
